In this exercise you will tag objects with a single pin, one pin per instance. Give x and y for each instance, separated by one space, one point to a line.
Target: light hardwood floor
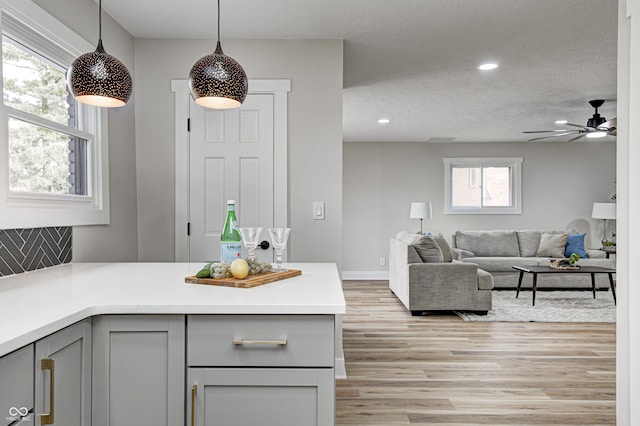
440 370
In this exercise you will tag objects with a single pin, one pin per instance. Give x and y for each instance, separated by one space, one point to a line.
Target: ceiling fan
597 127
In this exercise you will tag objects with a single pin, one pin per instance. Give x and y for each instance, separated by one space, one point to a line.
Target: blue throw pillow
575 244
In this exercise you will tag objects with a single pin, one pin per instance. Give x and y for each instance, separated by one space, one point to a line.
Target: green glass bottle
230 239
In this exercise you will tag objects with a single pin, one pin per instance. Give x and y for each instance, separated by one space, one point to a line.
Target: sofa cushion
502 264
488 243
425 246
575 244
529 241
445 248
552 245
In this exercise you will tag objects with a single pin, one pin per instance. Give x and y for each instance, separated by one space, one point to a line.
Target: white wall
314 126
117 241
560 183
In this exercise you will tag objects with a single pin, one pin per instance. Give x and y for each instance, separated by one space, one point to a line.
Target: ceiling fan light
597 134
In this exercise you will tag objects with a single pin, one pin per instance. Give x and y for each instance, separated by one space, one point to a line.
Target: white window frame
26 209
514 163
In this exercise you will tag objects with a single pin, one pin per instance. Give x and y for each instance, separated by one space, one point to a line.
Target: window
55 173
483 185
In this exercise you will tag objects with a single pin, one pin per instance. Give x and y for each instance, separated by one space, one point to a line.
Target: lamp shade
218 81
99 79
420 211
604 211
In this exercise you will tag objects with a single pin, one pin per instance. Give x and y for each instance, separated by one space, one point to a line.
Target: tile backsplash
24 250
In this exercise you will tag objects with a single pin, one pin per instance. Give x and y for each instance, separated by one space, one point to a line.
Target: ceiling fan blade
610 123
577 137
574 125
549 131
552 136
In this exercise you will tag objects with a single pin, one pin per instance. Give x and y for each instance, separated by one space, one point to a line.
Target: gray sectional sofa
497 251
425 277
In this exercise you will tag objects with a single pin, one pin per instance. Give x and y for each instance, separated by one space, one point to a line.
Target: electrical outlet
382 261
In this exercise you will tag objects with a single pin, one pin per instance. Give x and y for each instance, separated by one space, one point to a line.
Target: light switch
318 210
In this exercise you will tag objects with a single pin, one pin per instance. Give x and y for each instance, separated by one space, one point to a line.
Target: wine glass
250 239
279 238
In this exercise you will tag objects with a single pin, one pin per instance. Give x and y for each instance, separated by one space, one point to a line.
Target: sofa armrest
438 278
596 254
460 254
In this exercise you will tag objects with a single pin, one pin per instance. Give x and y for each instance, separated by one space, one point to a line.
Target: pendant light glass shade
218 81
99 79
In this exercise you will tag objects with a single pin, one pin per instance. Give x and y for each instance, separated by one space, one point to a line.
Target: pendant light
217 80
98 78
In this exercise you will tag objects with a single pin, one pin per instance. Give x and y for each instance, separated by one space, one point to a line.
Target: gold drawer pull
48 364
238 342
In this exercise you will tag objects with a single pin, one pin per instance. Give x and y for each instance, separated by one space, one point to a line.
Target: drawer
260 340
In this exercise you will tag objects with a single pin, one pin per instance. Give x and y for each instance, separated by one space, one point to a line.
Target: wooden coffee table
593 270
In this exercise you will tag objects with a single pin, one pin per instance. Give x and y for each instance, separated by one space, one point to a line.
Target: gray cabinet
272 370
138 370
259 396
63 377
16 386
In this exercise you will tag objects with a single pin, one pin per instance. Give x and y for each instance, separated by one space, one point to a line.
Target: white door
230 158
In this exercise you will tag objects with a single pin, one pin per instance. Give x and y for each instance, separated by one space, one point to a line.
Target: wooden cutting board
248 282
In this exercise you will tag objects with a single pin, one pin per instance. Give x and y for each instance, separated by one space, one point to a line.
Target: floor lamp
604 211
420 211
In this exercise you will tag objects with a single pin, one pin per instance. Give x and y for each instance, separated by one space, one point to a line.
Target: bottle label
230 251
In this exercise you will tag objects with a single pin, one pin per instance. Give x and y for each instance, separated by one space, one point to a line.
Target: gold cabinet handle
48 364
194 391
239 342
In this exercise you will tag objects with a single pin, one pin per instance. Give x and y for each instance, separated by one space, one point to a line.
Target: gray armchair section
444 285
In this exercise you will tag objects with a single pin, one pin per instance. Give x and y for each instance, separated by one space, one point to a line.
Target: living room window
54 173
483 185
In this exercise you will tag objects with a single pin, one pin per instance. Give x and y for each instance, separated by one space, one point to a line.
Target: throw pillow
575 244
445 248
428 250
552 245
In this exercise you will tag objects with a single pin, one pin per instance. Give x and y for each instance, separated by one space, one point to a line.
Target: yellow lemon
239 268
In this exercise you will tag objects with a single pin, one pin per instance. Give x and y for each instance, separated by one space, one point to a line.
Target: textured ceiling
414 61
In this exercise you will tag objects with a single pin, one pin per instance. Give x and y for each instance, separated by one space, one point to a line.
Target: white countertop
36 304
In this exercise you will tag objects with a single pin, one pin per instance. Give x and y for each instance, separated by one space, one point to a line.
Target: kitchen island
284 336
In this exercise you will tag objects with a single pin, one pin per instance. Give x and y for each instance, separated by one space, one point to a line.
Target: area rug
551 306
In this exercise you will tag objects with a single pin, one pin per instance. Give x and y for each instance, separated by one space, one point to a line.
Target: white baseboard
365 275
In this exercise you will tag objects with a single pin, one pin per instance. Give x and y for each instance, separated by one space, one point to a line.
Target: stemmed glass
279 238
250 239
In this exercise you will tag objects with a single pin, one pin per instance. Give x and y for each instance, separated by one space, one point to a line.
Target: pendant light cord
100 20
218 20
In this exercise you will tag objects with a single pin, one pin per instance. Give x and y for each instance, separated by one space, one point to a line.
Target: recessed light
488 67
561 121
384 121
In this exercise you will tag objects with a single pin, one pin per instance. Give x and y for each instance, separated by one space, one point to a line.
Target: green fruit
204 273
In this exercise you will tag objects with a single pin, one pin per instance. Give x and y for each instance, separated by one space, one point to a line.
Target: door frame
279 89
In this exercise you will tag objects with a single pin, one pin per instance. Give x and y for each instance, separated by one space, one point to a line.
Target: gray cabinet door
63 377
16 386
257 396
138 370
